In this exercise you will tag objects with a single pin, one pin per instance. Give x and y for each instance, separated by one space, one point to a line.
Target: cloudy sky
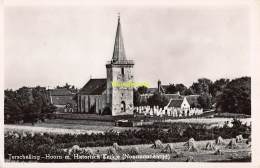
52 45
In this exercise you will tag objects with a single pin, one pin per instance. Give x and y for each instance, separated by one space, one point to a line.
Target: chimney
159 86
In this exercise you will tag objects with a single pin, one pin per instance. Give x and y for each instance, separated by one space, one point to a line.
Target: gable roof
62 100
151 90
94 87
60 92
175 103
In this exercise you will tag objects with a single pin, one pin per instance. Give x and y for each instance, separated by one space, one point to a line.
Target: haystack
218 152
111 151
220 141
134 151
169 149
158 144
88 151
189 142
239 138
210 146
232 144
74 148
117 147
191 146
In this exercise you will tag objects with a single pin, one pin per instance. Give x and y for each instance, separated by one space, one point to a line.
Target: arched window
122 106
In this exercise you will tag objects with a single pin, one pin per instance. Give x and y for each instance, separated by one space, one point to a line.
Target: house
181 105
63 99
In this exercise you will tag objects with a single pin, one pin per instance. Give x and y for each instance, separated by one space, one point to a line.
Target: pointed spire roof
119 50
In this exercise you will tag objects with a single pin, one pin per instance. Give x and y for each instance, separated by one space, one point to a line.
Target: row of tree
26 105
226 95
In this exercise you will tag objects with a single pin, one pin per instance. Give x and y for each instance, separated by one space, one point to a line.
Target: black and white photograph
127 83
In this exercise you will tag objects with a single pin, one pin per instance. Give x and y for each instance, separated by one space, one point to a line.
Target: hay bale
134 151
190 159
191 146
88 151
111 151
117 147
218 152
158 144
232 144
220 141
169 149
190 142
239 138
210 146
75 147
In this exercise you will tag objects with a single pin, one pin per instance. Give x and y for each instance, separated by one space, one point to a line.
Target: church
99 96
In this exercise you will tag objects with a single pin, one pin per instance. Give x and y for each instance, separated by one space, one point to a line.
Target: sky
54 45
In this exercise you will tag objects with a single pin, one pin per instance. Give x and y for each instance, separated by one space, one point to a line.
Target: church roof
119 50
94 87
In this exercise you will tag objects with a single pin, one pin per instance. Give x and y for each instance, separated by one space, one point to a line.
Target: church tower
119 78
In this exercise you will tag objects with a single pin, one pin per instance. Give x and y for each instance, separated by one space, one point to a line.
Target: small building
181 105
63 99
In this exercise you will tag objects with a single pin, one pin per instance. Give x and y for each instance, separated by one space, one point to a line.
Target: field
60 136
61 126
241 153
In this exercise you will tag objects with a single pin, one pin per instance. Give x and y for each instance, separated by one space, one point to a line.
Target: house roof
192 99
63 100
173 96
152 90
94 87
175 103
60 92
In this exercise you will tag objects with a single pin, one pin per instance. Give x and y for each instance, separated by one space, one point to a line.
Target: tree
236 97
181 88
188 91
137 96
203 85
204 101
69 87
157 100
171 89
218 86
142 89
27 105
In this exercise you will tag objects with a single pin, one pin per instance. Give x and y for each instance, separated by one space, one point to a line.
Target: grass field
62 126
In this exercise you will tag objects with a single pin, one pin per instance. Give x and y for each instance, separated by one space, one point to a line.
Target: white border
255 67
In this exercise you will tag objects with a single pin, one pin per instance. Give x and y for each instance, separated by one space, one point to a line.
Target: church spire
119 50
